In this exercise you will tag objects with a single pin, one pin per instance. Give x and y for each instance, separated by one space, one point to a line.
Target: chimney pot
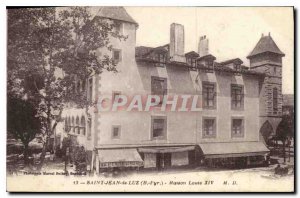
177 42
203 48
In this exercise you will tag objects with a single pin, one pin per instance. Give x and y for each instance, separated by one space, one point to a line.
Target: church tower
266 57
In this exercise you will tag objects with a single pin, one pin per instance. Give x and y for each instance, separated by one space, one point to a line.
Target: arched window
77 125
82 125
73 124
66 124
275 100
89 135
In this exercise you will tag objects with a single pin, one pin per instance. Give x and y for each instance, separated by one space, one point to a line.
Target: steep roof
265 44
142 50
235 60
192 53
116 13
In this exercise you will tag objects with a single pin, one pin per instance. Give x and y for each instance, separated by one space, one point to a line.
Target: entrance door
159 161
163 160
167 160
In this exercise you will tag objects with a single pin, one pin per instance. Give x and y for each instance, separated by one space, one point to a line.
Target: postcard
150 99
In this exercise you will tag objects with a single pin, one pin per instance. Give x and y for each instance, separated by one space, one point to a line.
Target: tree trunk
42 158
283 141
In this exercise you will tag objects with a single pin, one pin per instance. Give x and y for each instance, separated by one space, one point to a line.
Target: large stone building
238 103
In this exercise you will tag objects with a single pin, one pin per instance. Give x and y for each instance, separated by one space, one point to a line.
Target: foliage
49 51
22 121
285 128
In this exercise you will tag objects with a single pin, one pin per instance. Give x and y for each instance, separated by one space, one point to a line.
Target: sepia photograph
150 99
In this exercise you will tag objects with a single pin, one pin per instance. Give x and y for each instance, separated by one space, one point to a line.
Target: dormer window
209 66
206 63
192 62
237 68
161 59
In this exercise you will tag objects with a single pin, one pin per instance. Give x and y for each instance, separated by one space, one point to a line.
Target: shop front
234 154
165 157
123 159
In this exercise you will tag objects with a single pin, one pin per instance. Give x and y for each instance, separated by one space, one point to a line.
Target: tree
285 130
22 122
55 48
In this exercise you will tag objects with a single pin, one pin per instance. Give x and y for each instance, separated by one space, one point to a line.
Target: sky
232 31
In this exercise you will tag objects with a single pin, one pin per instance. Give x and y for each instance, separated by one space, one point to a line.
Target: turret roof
265 44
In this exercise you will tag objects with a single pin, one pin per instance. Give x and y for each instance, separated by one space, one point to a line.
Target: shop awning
119 158
233 149
166 149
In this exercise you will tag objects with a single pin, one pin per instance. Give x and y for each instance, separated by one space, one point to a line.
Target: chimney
203 46
177 43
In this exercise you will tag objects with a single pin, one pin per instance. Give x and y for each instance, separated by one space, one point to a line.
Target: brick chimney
177 43
203 46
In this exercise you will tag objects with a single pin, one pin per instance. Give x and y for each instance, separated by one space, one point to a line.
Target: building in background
240 104
288 105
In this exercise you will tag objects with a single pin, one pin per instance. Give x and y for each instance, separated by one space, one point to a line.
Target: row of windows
80 87
77 126
159 87
159 128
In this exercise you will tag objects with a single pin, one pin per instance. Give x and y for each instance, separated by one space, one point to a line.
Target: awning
166 149
119 158
233 149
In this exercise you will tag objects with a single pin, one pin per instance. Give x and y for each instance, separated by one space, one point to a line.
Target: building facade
234 103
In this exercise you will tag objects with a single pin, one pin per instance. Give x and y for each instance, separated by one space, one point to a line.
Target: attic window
191 62
209 66
161 59
237 68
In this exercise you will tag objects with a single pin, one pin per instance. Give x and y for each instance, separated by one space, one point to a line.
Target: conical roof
265 44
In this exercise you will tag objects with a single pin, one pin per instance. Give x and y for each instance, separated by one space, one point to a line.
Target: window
78 86
66 124
89 134
275 100
91 89
115 96
158 86
73 125
237 68
192 62
237 127
209 66
116 129
82 125
159 126
77 126
209 127
118 27
237 96
83 85
69 125
116 56
161 58
209 95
